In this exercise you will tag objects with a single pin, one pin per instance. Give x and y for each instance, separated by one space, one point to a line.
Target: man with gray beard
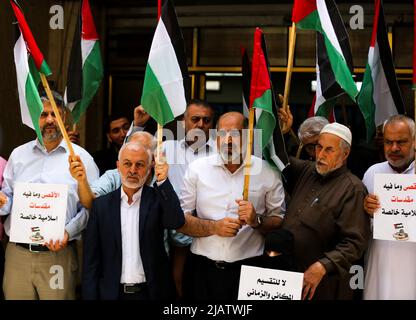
124 255
227 230
389 271
326 216
27 271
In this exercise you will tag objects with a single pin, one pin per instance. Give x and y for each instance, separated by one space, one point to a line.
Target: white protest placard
38 212
269 284
396 219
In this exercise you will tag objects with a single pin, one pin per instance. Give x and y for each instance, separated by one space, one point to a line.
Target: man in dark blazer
124 254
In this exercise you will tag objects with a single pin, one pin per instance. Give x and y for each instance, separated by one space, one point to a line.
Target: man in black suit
124 254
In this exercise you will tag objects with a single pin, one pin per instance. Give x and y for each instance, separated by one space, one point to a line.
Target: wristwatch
259 221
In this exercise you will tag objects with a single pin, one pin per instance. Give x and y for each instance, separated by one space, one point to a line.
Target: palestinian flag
166 77
380 95
327 88
323 16
85 66
29 62
330 115
262 97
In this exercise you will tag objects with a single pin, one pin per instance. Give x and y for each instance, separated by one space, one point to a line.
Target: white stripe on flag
274 157
327 25
383 99
319 98
22 72
165 66
86 48
245 108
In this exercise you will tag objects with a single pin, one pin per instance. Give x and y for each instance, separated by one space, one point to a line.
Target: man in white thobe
390 266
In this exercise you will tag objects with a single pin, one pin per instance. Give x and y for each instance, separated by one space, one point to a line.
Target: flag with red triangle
85 67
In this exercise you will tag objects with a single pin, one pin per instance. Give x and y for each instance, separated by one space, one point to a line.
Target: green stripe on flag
154 100
310 22
34 71
366 104
340 69
339 65
266 121
44 68
325 109
92 74
34 104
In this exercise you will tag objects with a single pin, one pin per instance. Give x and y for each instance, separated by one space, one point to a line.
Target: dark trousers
217 281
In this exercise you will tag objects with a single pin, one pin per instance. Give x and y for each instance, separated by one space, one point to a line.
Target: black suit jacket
159 209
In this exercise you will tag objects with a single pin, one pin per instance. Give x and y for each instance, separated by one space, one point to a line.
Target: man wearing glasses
389 272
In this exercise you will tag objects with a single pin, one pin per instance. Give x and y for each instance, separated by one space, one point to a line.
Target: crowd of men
173 224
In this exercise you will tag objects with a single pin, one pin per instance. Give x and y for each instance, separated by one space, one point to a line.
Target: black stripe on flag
170 21
246 79
329 86
278 140
340 31
74 79
387 62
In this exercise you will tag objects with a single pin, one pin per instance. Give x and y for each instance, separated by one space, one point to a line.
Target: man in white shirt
198 121
390 267
124 255
227 230
27 269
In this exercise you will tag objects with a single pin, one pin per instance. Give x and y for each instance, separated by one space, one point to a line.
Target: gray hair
136 146
311 127
152 139
60 103
401 118
344 145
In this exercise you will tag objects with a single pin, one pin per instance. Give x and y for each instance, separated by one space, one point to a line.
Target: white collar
136 196
210 143
219 162
62 145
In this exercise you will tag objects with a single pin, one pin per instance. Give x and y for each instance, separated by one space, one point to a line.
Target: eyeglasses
234 133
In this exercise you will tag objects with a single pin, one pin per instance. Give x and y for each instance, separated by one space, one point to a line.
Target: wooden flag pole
292 42
57 114
299 150
248 153
159 126
159 142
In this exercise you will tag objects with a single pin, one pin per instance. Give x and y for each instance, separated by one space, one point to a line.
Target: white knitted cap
339 130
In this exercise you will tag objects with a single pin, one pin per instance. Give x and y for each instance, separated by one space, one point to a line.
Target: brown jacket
329 224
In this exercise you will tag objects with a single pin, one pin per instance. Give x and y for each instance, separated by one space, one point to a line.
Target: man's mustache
322 162
50 126
228 145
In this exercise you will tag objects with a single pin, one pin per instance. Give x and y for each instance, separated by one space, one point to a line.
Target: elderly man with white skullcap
326 216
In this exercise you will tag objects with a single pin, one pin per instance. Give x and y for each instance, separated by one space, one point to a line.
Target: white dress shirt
31 163
211 189
179 155
390 265
132 266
